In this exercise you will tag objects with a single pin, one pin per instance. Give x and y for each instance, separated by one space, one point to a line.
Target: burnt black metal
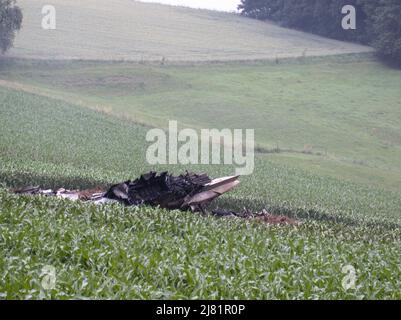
164 190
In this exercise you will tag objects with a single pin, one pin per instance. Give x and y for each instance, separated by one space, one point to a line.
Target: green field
135 31
117 253
348 128
113 252
76 115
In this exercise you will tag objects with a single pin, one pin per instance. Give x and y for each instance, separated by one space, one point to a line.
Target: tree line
10 23
378 22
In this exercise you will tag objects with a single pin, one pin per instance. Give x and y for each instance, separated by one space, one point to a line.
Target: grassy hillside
114 252
53 143
338 116
130 30
328 148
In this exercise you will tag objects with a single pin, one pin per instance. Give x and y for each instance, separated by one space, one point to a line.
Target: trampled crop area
117 252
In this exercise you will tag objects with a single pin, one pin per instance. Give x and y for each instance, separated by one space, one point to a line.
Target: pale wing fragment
66 194
212 190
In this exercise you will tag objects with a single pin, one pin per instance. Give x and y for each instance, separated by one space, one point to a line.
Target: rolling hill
328 135
323 114
135 31
113 252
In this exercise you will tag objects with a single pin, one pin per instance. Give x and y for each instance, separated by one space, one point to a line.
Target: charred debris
186 192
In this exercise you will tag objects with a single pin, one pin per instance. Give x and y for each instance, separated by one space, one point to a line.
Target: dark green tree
378 21
386 30
322 17
10 23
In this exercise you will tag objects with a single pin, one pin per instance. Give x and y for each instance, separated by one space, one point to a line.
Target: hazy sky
222 5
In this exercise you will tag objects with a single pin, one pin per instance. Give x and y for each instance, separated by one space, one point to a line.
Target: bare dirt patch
262 216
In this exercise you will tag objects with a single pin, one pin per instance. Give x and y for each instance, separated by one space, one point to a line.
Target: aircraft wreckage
189 191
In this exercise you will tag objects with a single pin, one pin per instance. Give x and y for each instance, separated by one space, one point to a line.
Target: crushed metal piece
187 191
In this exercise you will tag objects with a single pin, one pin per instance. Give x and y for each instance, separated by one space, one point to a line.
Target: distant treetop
10 23
378 21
